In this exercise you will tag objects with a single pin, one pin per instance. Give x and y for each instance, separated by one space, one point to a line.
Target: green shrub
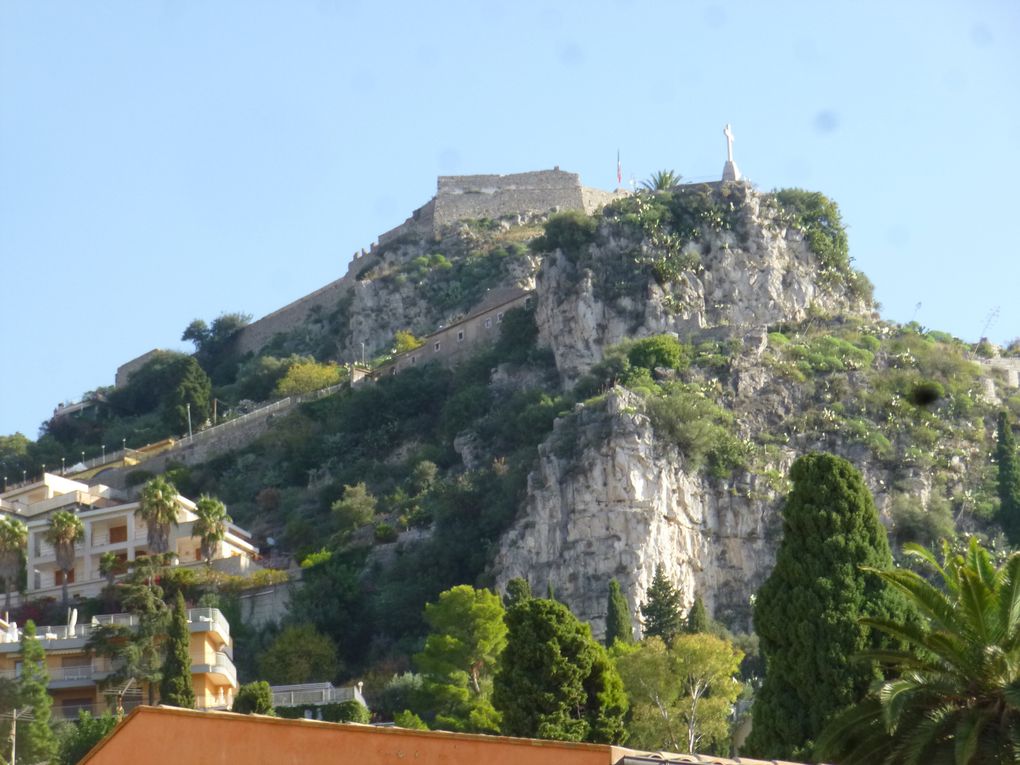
659 351
385 533
343 711
570 231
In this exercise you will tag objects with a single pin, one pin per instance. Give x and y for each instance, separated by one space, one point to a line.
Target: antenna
992 316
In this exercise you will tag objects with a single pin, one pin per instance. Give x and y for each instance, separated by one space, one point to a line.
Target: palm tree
663 180
211 525
64 531
13 539
955 696
158 508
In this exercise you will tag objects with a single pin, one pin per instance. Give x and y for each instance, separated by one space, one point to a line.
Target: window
488 323
435 347
58 577
460 336
118 534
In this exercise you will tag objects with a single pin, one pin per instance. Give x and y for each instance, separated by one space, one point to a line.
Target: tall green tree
158 508
210 526
137 650
192 395
1008 459
954 694
618 623
681 695
517 590
467 636
175 686
64 532
697 618
36 740
662 613
300 654
13 540
77 740
554 680
808 614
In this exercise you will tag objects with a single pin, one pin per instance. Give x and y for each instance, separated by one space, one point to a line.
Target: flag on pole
619 169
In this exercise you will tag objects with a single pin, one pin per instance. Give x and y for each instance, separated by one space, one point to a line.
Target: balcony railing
313 693
200 618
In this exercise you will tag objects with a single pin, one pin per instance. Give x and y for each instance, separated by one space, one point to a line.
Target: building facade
111 526
78 678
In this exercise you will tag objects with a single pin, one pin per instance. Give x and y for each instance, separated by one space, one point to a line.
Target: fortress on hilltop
458 198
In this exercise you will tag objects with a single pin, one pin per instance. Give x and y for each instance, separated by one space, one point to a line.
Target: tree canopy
554 680
952 696
808 613
618 618
662 613
681 695
1008 459
467 636
300 654
175 686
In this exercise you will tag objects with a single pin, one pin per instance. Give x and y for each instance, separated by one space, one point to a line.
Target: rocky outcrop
609 501
759 273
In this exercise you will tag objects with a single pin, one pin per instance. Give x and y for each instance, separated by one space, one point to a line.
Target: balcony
314 694
221 665
209 619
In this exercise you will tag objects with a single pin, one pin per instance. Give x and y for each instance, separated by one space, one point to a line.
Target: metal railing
313 693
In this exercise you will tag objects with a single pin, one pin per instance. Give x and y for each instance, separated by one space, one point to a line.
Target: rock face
609 501
759 273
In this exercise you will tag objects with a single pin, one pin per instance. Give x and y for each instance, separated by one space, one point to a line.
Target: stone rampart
128 368
254 336
467 197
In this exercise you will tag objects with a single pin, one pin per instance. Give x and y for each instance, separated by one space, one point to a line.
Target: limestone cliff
749 267
610 500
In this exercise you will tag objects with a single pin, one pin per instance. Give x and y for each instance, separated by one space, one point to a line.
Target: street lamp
123 444
103 447
83 457
61 466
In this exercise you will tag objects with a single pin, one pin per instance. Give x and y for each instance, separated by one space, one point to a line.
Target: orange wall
164 735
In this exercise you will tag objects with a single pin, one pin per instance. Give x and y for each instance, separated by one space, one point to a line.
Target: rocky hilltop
682 348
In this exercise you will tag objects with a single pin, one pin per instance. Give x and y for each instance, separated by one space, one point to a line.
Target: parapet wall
254 336
467 197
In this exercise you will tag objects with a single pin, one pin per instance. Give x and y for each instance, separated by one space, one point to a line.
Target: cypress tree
517 590
175 688
555 681
618 624
697 618
36 741
1009 480
807 613
662 613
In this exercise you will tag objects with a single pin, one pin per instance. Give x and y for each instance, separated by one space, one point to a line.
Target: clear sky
165 161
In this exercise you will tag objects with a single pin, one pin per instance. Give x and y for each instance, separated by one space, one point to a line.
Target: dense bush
570 232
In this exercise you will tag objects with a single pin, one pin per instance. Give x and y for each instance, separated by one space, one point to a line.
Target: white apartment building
110 526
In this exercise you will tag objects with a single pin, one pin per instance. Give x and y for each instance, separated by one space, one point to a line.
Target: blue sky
164 161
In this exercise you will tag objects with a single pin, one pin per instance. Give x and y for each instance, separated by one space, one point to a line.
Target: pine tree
555 681
175 687
807 613
663 611
697 618
36 741
618 624
1009 480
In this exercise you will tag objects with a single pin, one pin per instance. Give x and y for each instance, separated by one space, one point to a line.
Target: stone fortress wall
458 197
